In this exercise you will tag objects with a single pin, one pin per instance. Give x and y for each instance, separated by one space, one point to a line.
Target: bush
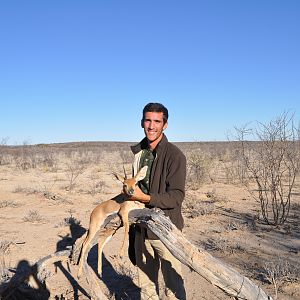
272 160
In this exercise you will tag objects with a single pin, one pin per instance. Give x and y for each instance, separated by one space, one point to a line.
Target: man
163 187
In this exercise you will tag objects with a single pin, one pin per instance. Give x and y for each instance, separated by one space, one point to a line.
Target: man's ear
165 126
142 123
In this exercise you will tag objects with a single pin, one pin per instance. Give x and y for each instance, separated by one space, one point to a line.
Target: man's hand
140 196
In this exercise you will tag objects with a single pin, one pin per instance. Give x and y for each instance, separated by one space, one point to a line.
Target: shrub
199 165
272 160
194 207
34 217
279 272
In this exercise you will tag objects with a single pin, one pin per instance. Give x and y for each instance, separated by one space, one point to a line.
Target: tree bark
33 276
212 269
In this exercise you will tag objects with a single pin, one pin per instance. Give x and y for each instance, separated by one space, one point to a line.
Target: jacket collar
143 144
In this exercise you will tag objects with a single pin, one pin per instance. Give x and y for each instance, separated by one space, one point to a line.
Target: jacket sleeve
174 185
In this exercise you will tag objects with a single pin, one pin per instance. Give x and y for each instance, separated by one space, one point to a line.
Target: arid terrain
47 193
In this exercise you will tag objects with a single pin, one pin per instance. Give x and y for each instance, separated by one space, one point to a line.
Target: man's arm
175 185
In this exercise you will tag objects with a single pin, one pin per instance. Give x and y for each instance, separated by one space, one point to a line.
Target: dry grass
193 207
219 216
280 272
5 249
223 245
26 190
33 216
9 203
68 221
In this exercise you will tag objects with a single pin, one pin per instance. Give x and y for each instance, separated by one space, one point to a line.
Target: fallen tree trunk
212 269
95 291
34 276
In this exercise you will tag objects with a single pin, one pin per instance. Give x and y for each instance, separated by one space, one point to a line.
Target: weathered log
32 275
212 269
96 292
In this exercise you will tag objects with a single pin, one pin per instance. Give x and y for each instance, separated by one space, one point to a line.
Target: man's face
153 125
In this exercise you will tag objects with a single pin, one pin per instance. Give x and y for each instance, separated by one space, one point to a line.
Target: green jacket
167 179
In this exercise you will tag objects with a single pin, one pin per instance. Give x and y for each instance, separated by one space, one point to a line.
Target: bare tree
199 164
3 143
272 162
74 169
278 273
26 156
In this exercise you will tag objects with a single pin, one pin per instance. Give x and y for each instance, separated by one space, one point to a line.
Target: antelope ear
141 174
119 177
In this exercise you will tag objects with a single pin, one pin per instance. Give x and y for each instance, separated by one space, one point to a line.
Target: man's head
154 122
156 107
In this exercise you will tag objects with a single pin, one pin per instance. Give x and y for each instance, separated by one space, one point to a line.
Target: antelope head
129 184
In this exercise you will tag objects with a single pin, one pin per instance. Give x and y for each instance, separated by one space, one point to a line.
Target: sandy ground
35 202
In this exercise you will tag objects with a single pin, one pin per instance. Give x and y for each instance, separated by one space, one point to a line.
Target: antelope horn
124 172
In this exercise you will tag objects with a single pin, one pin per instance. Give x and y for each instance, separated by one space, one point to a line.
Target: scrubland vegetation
242 205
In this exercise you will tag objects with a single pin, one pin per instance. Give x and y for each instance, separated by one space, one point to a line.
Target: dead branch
31 275
96 292
212 269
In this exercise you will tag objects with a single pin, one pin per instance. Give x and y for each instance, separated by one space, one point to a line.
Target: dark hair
156 107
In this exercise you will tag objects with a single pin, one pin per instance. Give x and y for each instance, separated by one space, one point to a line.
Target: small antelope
118 205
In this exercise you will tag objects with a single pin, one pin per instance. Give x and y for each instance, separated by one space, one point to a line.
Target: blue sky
83 70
